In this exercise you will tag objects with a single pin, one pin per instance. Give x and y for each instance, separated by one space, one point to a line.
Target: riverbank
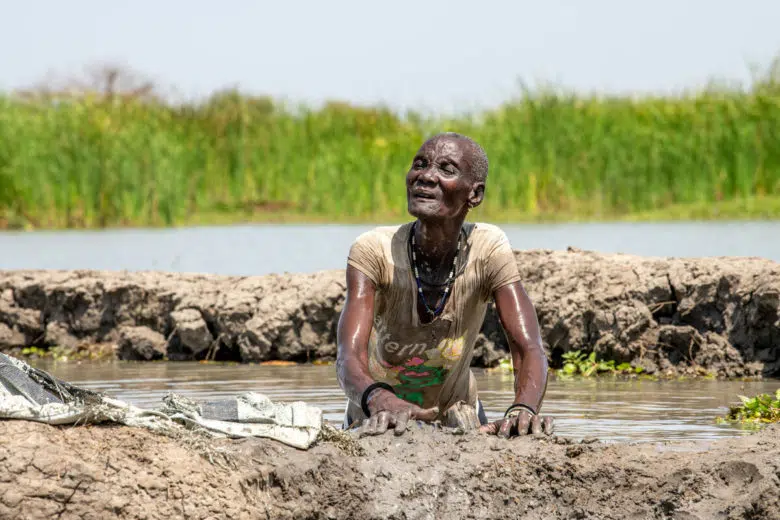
752 208
94 472
664 316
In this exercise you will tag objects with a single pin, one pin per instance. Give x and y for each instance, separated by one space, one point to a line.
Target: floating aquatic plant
761 409
576 362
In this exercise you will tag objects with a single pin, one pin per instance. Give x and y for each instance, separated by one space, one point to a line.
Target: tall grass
93 161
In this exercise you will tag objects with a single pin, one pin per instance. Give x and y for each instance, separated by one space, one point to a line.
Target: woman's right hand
389 411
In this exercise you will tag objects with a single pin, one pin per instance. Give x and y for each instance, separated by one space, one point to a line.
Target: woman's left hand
524 423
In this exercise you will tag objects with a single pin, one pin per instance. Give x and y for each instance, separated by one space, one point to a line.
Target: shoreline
750 209
663 316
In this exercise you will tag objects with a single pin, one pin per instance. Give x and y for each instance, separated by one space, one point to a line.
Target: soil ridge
665 315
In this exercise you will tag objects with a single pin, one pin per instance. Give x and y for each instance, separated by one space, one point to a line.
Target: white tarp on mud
31 394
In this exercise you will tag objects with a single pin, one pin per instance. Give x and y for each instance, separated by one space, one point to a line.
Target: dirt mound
669 315
665 315
99 472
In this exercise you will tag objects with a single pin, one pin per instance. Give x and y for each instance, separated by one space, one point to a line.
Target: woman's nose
427 175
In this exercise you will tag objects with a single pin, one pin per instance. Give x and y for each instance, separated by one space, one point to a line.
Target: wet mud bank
122 472
666 315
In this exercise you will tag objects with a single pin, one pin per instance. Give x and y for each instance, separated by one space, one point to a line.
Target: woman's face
440 183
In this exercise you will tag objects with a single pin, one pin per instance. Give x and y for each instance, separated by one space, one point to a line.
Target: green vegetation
761 409
98 352
577 363
94 160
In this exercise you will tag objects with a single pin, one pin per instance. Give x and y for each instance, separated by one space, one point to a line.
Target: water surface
263 249
605 408
612 410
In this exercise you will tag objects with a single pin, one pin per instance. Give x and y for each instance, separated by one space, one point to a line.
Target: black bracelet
519 405
367 392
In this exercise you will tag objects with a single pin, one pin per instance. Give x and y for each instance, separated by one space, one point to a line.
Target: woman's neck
437 241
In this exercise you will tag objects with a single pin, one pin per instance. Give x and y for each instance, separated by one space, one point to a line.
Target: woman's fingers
379 423
369 426
520 425
376 424
548 425
507 425
523 422
490 428
382 420
424 414
536 425
401 420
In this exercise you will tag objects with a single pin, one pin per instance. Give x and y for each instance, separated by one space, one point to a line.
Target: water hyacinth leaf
570 368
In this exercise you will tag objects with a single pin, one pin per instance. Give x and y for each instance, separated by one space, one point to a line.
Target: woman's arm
354 330
529 362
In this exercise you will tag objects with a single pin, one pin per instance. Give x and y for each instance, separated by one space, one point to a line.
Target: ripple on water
611 410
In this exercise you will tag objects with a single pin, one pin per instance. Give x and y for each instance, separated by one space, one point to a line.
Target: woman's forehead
443 145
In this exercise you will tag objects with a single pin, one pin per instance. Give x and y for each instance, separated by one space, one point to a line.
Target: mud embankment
721 315
119 472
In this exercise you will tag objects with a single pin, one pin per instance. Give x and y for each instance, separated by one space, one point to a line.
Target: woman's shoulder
488 234
381 241
380 235
372 252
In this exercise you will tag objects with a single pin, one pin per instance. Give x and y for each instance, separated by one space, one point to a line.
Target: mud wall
670 315
98 472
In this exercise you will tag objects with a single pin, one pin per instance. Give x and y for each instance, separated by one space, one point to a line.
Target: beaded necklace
448 283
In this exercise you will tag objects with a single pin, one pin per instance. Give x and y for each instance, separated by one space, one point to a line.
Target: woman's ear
476 194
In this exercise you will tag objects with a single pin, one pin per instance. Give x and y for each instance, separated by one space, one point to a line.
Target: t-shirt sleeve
366 255
500 265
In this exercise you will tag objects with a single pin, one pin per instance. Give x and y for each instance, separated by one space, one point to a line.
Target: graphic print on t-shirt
421 360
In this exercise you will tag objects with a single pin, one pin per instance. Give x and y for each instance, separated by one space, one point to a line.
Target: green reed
96 161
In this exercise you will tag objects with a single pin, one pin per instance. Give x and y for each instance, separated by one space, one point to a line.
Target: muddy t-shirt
428 363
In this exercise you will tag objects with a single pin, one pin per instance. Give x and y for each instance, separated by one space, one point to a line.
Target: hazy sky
429 54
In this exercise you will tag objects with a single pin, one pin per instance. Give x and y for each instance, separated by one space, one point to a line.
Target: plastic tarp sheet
27 393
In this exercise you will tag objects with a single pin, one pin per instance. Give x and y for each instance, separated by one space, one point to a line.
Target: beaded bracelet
517 406
367 392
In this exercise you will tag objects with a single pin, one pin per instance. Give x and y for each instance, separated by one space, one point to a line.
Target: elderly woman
416 299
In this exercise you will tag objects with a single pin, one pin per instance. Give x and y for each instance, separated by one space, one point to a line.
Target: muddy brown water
610 409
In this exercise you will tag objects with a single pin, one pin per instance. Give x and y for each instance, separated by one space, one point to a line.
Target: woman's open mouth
423 195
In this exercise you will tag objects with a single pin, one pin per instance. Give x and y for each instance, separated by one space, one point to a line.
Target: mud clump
99 472
665 315
140 344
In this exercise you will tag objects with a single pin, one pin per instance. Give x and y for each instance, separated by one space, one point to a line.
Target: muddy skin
446 180
119 472
441 188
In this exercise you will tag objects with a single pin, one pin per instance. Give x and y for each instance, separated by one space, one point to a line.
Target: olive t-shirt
428 363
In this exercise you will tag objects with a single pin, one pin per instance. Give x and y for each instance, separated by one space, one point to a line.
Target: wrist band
367 392
517 406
